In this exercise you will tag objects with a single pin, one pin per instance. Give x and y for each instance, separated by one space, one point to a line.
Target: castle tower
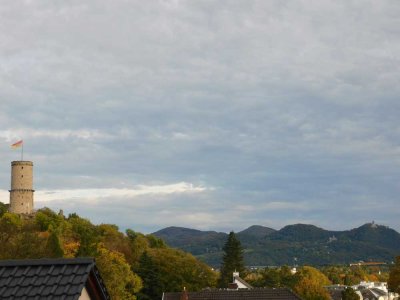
21 193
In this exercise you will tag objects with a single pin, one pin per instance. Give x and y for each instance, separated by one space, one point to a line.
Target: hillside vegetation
132 264
294 244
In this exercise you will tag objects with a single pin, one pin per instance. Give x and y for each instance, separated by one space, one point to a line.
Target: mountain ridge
292 244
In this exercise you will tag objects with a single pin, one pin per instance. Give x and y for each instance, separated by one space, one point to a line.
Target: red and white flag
17 144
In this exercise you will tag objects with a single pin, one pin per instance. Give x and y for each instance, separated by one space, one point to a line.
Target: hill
193 241
131 264
255 232
293 244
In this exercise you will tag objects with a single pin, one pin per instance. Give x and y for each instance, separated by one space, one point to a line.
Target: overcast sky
212 115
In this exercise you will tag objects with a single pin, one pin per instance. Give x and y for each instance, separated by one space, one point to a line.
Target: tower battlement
22 162
21 192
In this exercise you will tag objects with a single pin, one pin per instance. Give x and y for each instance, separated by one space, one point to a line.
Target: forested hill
132 265
294 244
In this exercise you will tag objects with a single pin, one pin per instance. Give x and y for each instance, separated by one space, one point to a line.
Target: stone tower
21 193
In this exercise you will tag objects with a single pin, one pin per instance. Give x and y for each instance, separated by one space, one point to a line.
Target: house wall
239 284
84 295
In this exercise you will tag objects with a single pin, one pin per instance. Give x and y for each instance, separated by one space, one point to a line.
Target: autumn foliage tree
121 282
309 284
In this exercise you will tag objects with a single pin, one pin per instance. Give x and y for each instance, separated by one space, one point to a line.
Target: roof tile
65 280
6 293
38 270
78 278
45 278
50 270
27 281
47 290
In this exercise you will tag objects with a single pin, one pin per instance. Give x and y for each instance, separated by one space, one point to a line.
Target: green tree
350 294
10 223
187 271
232 260
3 209
287 277
150 274
155 242
87 235
394 277
10 228
27 242
53 245
272 277
278 277
138 244
333 273
45 218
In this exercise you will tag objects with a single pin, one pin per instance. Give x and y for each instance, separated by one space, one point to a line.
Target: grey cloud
268 101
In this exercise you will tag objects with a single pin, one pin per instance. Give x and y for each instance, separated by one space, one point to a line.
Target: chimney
184 295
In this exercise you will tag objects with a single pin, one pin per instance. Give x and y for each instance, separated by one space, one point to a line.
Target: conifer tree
394 277
232 260
54 246
152 285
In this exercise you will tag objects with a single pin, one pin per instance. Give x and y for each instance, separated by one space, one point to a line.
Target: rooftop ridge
46 261
226 294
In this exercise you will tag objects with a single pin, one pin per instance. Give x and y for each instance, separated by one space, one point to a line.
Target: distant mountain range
294 244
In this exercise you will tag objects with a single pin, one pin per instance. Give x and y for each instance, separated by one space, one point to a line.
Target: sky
214 115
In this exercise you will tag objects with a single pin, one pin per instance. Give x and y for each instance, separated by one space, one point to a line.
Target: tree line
133 265
307 282
138 266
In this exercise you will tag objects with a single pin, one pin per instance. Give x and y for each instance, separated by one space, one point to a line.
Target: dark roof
368 294
379 292
50 279
255 294
335 294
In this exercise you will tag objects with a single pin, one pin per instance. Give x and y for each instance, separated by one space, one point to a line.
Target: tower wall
21 193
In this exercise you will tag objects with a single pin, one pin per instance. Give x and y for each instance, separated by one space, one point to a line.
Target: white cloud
95 195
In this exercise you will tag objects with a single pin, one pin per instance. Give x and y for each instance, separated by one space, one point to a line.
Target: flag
17 144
